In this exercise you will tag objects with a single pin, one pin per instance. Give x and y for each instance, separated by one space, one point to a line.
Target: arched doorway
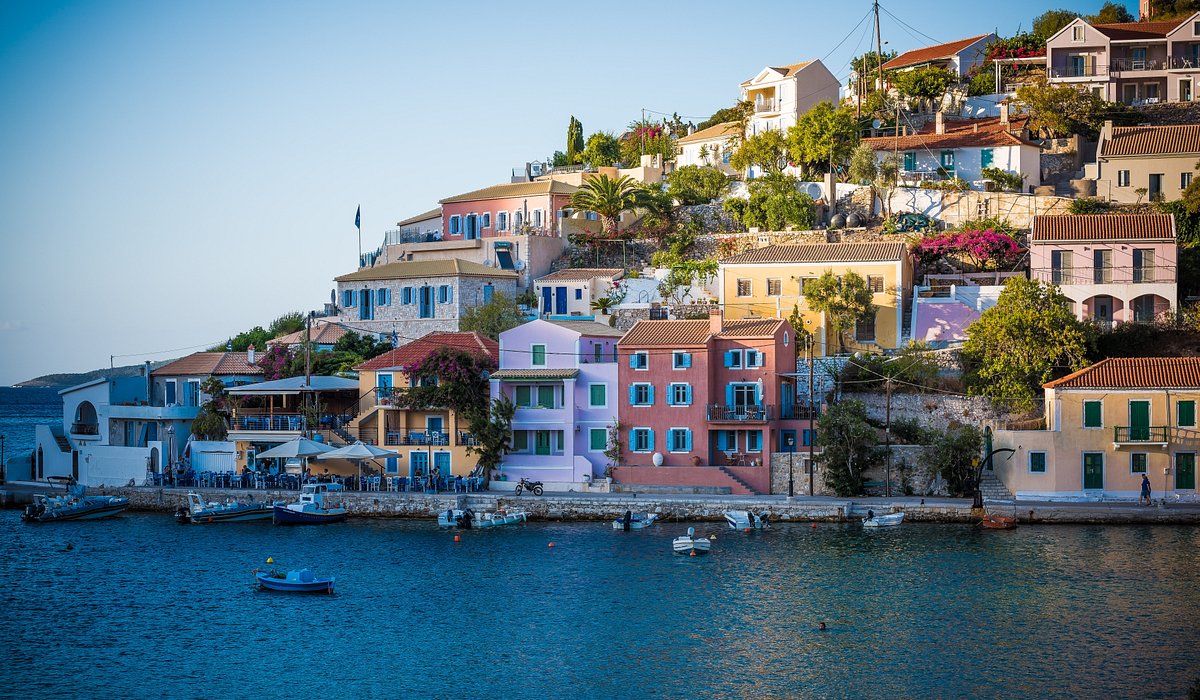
86 422
1148 307
153 460
41 464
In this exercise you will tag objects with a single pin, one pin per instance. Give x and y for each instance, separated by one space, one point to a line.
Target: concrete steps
993 489
738 480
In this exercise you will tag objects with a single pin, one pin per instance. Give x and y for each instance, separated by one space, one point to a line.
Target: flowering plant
981 248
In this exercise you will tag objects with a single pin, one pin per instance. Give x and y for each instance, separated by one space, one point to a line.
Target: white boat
690 544
467 519
74 504
310 509
745 520
634 521
197 511
888 520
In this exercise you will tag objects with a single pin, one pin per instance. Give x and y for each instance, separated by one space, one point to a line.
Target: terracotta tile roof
535 374
425 268
1134 373
960 133
685 333
723 130
821 253
750 328
513 189
324 332
590 328
1137 30
431 214
675 333
209 363
1153 140
788 71
1102 227
930 53
414 351
582 273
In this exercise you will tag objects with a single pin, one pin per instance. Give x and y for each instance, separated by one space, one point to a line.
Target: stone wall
907 470
933 410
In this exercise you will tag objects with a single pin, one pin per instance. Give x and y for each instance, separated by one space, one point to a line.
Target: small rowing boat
745 520
467 519
302 581
634 521
691 545
888 520
995 521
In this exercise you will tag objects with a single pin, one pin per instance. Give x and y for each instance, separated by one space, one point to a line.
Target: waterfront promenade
693 507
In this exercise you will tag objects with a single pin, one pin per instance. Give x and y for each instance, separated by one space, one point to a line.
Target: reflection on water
143 606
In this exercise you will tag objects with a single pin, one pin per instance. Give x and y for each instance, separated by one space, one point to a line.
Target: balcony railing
1128 65
279 422
85 429
1140 434
428 437
1078 71
1183 63
739 414
800 412
766 106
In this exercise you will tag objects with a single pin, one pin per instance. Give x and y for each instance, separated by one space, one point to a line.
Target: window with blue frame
681 360
986 156
910 161
538 355
947 160
680 394
807 438
641 394
754 358
754 441
681 440
639 360
733 359
598 440
488 290
578 294
502 221
455 225
383 296
641 439
406 295
444 294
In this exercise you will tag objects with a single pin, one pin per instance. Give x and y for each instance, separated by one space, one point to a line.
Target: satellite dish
875 123
520 265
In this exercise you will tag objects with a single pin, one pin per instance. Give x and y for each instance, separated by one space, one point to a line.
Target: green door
1093 470
1185 471
1139 420
542 442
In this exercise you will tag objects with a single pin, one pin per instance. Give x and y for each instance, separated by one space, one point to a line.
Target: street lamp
812 412
171 453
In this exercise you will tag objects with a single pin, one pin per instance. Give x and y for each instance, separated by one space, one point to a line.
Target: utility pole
887 433
308 363
878 47
812 413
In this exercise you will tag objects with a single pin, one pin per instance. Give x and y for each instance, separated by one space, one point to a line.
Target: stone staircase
993 489
63 443
738 480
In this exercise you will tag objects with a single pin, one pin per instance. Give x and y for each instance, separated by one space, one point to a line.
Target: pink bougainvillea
982 248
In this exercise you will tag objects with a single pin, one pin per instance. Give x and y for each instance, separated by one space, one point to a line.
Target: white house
781 94
961 148
571 292
711 147
958 57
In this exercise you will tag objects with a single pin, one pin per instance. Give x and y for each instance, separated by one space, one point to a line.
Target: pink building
1114 267
506 210
707 403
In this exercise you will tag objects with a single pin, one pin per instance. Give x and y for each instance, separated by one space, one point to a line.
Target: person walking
1145 497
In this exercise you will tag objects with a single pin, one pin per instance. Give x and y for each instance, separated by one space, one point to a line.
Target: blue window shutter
687 440
687 361
728 394
449 294
632 395
670 394
728 358
688 393
632 360
651 440
650 395
721 440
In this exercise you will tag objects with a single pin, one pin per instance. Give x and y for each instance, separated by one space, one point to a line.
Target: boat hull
270 583
637 523
998 522
890 520
740 520
89 512
690 545
284 516
261 512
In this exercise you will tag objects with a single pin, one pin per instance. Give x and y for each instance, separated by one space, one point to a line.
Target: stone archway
154 460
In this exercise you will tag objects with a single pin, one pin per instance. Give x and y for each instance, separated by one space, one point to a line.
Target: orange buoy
550 545
457 538
814 526
746 530
693 553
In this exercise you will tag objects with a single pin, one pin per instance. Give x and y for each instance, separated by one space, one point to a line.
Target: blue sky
174 172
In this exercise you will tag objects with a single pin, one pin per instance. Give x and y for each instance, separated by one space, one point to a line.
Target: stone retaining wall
932 410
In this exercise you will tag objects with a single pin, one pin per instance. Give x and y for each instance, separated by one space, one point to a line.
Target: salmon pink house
706 403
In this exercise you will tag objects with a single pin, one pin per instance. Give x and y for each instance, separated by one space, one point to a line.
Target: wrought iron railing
1140 433
748 414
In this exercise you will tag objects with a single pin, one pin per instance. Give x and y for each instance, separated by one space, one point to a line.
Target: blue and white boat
634 521
310 509
197 511
302 581
74 504
747 520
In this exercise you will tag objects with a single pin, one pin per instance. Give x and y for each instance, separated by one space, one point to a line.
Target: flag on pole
358 218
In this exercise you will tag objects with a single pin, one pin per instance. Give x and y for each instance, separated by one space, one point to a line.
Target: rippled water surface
142 607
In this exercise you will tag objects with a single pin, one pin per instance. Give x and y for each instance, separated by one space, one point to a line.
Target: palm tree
609 198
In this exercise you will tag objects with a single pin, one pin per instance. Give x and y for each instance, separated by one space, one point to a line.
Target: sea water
139 606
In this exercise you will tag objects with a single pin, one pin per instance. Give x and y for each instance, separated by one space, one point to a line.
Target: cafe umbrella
298 448
358 452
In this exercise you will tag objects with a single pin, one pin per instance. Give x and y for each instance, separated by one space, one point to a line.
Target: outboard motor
465 520
181 515
750 517
765 517
30 513
627 520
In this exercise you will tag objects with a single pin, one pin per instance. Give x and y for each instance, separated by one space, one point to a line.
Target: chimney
714 320
939 123
1003 112
250 354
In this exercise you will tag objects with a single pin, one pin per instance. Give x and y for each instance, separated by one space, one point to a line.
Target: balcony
275 423
800 412
428 437
766 106
721 413
1140 435
86 429
1079 71
1137 65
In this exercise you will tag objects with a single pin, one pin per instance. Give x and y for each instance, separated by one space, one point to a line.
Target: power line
908 26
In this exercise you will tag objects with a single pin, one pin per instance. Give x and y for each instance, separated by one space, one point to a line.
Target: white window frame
1078 35
633 441
749 288
675 355
592 430
593 405
649 398
779 286
502 221
759 448
1029 462
645 364
532 348
456 228
485 220
671 440
671 394
1122 178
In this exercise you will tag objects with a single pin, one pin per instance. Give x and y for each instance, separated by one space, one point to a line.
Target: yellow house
424 439
769 282
1104 428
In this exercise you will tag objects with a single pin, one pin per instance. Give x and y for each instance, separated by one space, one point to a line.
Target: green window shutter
523 396
910 161
1187 413
599 439
985 157
599 395
539 354
520 441
1092 417
546 396
1037 462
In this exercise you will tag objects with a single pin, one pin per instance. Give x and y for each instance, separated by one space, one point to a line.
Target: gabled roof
1134 373
324 332
988 132
413 352
570 373
683 333
582 273
787 71
415 269
1178 139
939 52
590 328
1137 30
210 363
821 253
431 214
723 130
1049 228
514 189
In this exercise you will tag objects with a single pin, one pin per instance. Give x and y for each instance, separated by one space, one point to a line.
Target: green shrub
1088 205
